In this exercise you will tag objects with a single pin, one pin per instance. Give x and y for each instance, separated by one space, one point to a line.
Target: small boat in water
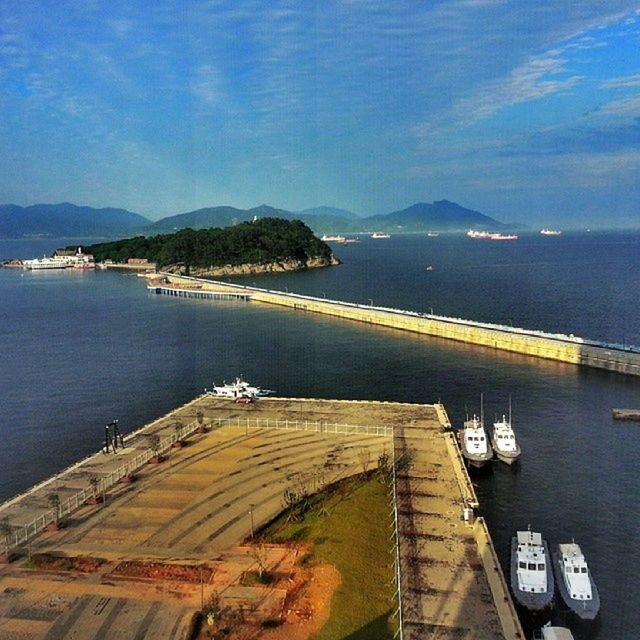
380 236
575 584
474 444
531 575
549 632
503 440
326 238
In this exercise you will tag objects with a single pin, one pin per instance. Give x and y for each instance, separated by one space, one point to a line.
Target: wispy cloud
622 82
539 77
205 84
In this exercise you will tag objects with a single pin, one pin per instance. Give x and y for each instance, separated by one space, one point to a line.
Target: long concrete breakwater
563 348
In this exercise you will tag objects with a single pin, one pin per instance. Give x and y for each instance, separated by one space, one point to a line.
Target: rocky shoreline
13 263
252 269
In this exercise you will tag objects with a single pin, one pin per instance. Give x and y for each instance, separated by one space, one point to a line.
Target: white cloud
535 79
622 82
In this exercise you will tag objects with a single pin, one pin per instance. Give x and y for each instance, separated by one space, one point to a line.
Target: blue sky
526 111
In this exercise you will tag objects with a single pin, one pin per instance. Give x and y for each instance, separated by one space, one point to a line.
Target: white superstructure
575 581
503 440
61 260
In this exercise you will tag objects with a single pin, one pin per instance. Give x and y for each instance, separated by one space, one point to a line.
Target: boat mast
509 409
481 410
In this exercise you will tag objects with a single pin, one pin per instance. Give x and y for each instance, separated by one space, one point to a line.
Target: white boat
549 632
503 440
239 388
474 444
380 236
62 259
433 234
55 262
478 234
501 236
575 583
326 238
550 232
531 574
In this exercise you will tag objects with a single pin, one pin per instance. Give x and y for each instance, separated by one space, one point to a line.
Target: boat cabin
531 563
574 572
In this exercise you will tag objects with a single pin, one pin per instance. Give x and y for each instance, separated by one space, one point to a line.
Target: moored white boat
379 236
575 583
549 632
474 444
531 575
503 440
239 388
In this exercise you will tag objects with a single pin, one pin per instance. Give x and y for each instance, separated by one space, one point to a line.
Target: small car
244 400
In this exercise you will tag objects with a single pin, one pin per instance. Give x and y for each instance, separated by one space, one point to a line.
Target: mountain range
69 220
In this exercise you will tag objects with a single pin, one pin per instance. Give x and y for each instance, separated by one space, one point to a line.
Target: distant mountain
320 220
329 211
215 217
70 220
65 219
442 215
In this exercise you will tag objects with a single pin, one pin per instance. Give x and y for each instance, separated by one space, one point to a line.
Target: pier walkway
207 496
563 348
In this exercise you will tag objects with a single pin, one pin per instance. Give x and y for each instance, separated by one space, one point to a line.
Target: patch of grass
351 533
253 578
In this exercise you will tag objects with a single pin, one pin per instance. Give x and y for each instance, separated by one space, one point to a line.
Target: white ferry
327 238
380 236
478 234
501 236
473 443
550 232
62 259
45 262
575 584
531 574
503 440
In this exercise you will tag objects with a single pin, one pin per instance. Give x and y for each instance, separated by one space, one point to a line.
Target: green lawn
354 536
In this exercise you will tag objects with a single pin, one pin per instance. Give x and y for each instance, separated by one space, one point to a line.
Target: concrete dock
211 493
563 348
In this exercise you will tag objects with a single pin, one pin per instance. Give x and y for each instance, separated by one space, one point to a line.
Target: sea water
80 349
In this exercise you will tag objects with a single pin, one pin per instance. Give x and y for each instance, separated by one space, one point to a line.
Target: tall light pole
371 302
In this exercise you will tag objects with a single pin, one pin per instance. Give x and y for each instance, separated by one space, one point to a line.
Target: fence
396 540
334 428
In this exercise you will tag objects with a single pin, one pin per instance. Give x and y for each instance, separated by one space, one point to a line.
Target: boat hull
509 457
473 459
531 601
584 609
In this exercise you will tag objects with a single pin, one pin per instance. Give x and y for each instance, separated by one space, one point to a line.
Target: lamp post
371 302
431 310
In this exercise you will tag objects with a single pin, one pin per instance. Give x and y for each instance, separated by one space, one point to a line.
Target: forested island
264 245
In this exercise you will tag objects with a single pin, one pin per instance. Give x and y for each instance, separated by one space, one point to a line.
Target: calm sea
80 349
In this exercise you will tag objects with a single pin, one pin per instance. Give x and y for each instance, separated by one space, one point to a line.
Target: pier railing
335 428
21 535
